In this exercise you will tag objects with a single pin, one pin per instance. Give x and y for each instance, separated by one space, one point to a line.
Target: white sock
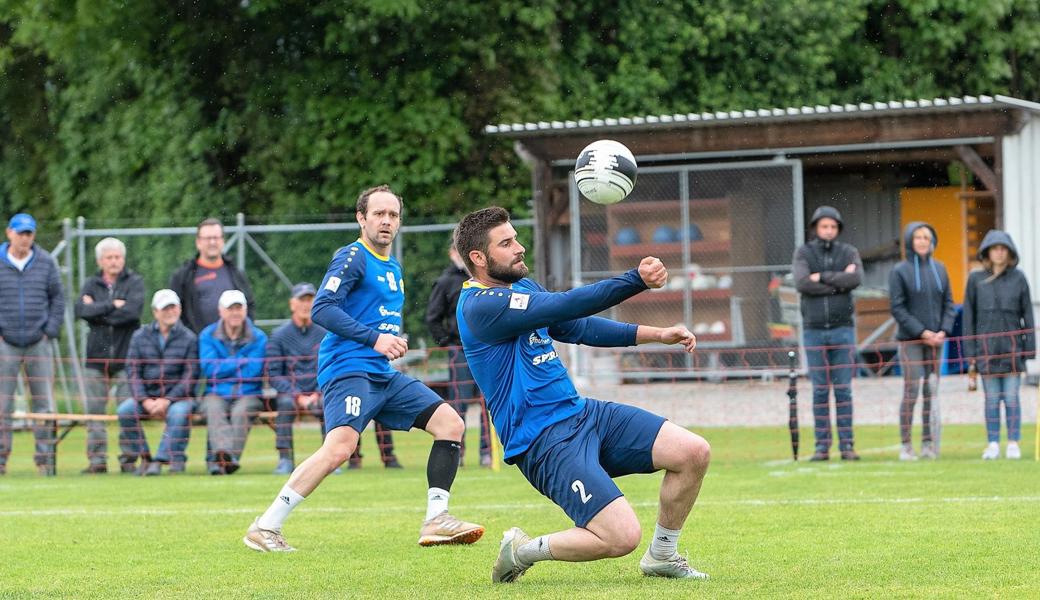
665 542
535 550
279 510
436 502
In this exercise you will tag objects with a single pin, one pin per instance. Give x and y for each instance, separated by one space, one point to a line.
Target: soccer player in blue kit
567 446
360 304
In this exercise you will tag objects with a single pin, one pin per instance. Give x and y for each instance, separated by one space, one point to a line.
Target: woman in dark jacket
922 305
999 336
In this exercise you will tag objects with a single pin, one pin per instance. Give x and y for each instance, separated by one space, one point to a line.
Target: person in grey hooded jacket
922 305
999 336
825 272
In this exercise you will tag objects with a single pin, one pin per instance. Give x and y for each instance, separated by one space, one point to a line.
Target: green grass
764 527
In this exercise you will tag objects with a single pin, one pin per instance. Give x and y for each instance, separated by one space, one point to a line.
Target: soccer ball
605 172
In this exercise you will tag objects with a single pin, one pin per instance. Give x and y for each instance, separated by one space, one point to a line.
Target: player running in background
567 446
360 304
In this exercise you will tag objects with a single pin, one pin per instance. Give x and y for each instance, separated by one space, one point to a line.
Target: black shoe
392 463
354 464
46 470
226 462
820 456
95 470
3 469
849 454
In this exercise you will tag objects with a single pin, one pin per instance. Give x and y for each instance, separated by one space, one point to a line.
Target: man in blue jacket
231 355
32 306
570 448
161 362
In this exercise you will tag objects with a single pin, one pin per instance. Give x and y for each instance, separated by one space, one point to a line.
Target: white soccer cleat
445 529
992 451
508 567
1013 452
675 567
265 540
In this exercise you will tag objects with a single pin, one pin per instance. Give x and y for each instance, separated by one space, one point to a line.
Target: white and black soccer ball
605 172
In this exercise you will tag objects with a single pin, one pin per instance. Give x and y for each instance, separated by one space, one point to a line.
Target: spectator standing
161 361
440 319
922 305
825 273
32 306
200 281
999 336
110 302
231 356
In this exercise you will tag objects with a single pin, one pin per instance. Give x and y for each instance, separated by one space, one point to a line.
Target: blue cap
22 223
303 289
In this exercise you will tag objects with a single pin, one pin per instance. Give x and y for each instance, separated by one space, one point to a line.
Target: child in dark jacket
922 305
999 336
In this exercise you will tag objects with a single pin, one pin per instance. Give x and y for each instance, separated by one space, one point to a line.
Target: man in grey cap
32 306
825 272
292 369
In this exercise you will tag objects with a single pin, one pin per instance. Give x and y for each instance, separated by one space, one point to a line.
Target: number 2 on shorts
579 487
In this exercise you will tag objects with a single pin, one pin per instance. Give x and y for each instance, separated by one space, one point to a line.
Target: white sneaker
1013 452
992 451
508 567
928 451
906 452
675 567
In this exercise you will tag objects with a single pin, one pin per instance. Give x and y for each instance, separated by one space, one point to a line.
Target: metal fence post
240 227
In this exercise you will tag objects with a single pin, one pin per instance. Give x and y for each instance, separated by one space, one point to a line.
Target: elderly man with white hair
110 302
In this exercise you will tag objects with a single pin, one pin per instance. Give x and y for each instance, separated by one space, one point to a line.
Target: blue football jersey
508 335
361 297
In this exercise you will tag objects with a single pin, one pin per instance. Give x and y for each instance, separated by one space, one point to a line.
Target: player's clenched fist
653 273
391 346
679 335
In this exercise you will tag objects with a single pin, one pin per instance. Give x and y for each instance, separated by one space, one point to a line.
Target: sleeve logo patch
333 284
518 301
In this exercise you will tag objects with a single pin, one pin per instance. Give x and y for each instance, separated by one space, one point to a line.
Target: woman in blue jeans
999 336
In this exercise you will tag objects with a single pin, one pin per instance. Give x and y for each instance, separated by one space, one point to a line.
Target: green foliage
161 113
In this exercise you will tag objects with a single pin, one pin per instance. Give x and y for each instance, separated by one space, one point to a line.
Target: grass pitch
765 527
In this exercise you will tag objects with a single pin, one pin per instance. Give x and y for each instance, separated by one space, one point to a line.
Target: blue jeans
283 423
133 443
1002 388
831 354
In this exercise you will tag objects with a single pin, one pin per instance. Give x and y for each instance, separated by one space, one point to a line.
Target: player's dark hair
207 223
472 231
362 201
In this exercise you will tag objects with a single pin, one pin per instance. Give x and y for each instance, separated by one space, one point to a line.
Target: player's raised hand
653 273
391 346
679 335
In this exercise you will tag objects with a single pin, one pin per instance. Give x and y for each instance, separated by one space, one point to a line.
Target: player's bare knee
624 540
446 424
699 453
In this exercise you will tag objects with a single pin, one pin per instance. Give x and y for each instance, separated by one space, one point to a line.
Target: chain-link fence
726 232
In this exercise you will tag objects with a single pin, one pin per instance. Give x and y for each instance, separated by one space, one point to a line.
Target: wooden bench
74 419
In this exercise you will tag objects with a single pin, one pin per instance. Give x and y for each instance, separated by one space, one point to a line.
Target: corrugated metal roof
765 115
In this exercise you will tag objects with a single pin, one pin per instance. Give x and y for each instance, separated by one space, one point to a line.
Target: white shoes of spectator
992 451
906 453
1013 452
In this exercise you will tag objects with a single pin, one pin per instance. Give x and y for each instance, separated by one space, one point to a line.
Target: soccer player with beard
359 304
567 446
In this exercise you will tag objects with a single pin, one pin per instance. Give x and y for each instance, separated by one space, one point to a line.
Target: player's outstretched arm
679 334
497 314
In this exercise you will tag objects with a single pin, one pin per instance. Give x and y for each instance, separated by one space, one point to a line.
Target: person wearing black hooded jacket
922 305
999 336
825 273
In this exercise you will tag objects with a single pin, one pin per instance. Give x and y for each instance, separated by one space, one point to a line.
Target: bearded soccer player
570 447
360 304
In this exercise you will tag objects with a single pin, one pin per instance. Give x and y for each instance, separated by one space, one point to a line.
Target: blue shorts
572 462
394 399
